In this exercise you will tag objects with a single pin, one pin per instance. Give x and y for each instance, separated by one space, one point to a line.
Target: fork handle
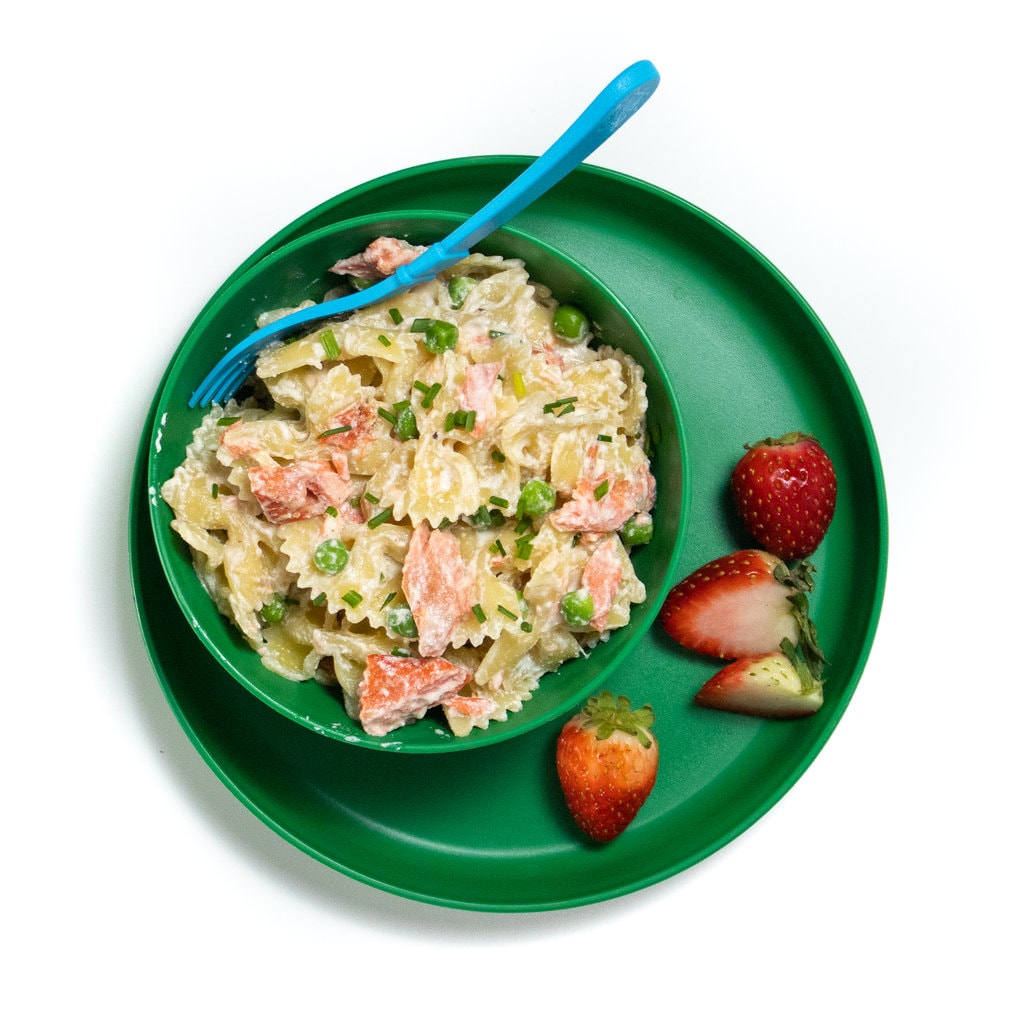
607 112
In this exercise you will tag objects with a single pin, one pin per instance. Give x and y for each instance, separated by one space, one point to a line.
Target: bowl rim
349 730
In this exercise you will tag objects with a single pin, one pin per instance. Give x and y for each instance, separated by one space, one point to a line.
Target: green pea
331 556
536 499
438 335
638 530
570 324
577 608
400 621
458 289
274 609
405 425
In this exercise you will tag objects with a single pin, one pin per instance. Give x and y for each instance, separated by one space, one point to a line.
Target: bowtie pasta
431 504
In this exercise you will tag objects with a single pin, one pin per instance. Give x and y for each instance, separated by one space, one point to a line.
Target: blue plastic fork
607 112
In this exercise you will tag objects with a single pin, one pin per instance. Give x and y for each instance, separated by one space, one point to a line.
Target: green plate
486 829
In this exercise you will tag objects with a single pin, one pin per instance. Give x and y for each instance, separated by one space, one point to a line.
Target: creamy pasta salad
431 504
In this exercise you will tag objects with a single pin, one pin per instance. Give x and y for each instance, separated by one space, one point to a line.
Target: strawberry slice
739 605
779 684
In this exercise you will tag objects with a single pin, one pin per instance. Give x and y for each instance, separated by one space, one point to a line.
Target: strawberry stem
810 652
793 437
800 576
608 714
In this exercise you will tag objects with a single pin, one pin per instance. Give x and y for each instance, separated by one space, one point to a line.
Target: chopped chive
399 406
371 498
396 316
498 548
498 456
492 333
330 344
319 599
508 615
565 409
601 489
226 421
420 324
214 490
449 421
380 517
400 652
500 502
331 511
603 437
524 546
523 526
389 416
344 429
526 627
429 393
479 613
560 403
470 419
354 501
352 598
388 600
517 385
384 340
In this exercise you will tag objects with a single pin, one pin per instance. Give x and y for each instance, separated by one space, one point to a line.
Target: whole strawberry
607 761
785 493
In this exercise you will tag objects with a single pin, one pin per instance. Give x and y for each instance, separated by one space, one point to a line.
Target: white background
867 149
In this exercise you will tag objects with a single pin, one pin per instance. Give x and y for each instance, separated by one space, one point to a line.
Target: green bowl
297 271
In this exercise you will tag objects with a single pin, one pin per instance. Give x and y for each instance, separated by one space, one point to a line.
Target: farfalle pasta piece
367 522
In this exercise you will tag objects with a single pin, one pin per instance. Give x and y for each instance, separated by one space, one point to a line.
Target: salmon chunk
300 490
381 258
601 578
471 707
623 498
437 586
395 691
478 393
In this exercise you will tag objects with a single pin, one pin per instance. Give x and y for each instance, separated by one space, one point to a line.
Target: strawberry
738 605
779 684
607 761
785 493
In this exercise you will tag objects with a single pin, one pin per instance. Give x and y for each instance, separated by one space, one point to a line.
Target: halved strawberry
738 605
607 761
785 493
779 684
